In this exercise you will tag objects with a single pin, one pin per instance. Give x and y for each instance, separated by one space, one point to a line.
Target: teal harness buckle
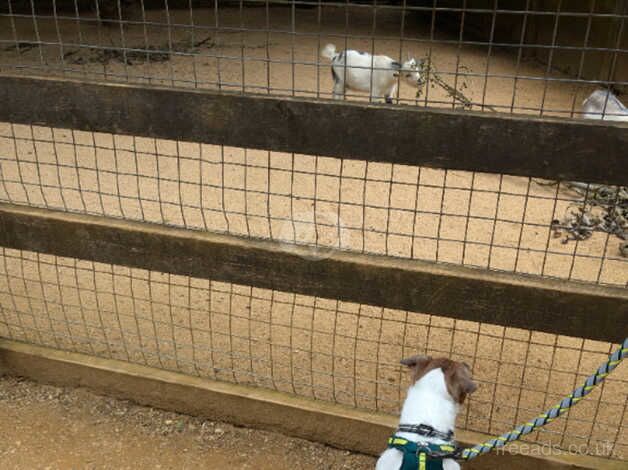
421 456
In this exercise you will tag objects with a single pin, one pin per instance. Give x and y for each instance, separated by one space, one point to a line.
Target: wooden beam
553 306
559 149
329 423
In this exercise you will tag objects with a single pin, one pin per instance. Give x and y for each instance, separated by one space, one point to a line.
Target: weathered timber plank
487 142
333 424
553 306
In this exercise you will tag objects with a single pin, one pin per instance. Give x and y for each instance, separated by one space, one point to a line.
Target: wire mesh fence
319 348
481 220
542 57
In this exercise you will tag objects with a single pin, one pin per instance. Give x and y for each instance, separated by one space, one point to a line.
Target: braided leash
555 412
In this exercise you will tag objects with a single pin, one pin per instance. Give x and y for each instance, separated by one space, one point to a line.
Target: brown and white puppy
438 387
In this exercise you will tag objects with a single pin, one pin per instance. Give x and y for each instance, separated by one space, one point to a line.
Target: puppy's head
457 375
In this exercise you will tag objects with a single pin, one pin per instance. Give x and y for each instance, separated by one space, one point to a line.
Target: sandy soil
321 348
478 220
54 428
279 53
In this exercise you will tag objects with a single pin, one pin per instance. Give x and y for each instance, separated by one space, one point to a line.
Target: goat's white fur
374 74
603 104
428 402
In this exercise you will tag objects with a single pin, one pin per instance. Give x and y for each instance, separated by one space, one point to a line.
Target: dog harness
420 456
426 430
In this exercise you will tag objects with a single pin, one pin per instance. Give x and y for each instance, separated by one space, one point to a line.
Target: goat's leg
339 89
390 95
379 93
377 97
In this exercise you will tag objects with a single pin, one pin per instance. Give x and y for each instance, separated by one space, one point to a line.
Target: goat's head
411 72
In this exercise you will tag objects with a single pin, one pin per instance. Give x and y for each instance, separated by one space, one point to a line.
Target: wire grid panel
320 348
536 57
481 220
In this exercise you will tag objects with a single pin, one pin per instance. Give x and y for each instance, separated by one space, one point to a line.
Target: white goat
374 74
603 104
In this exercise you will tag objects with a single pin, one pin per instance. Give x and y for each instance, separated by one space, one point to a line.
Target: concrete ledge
332 424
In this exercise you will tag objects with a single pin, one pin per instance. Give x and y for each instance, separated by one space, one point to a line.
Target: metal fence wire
538 57
481 220
314 347
541 57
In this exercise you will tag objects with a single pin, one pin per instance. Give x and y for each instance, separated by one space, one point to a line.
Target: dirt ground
320 348
56 428
474 219
279 54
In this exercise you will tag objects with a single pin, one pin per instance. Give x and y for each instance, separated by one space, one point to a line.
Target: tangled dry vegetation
601 209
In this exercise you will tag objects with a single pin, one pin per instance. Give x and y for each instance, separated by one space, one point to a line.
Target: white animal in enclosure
438 387
603 104
374 74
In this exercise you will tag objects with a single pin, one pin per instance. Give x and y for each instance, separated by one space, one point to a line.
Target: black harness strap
426 430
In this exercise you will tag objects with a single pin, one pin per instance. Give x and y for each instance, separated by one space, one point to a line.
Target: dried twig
21 46
602 209
162 53
433 77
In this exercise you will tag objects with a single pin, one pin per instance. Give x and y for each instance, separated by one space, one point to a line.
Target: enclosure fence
176 135
534 57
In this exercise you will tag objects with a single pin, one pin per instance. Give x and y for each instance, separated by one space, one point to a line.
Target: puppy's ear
460 383
415 361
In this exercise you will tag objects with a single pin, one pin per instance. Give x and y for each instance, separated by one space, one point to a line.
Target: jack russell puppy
424 437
